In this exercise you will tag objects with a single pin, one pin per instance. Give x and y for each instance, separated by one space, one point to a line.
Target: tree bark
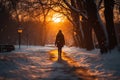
87 29
75 17
109 5
93 19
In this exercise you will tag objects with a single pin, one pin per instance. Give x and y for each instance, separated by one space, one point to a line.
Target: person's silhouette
59 42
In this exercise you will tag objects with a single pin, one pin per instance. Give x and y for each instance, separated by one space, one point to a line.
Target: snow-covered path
70 68
40 63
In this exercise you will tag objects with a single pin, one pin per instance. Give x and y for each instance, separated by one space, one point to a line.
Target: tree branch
76 10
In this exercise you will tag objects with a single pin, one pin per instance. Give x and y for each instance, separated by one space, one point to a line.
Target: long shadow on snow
68 69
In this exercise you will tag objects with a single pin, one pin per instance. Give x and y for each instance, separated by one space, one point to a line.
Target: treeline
83 14
32 33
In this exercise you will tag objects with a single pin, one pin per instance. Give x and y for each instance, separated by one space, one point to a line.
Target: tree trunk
87 29
43 41
109 5
93 19
75 17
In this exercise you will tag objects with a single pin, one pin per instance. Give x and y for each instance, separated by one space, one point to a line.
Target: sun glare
57 18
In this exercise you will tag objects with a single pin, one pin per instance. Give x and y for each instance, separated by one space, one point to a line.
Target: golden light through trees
57 18
54 23
50 20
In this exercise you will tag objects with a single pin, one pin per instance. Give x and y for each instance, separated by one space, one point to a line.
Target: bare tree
93 21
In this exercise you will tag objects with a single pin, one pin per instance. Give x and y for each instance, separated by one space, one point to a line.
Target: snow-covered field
40 63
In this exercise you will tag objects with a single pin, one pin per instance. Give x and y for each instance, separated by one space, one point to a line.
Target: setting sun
57 18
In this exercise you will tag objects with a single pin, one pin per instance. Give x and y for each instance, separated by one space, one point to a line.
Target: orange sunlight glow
57 18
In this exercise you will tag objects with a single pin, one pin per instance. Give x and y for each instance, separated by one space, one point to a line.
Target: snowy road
40 63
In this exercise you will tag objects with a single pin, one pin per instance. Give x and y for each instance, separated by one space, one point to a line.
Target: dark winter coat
60 41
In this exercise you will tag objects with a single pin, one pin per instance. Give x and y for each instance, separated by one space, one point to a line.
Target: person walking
59 42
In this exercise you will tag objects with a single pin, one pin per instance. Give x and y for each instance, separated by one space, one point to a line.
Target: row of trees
89 10
15 14
83 14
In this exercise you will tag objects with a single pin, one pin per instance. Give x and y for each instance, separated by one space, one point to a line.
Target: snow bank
104 65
